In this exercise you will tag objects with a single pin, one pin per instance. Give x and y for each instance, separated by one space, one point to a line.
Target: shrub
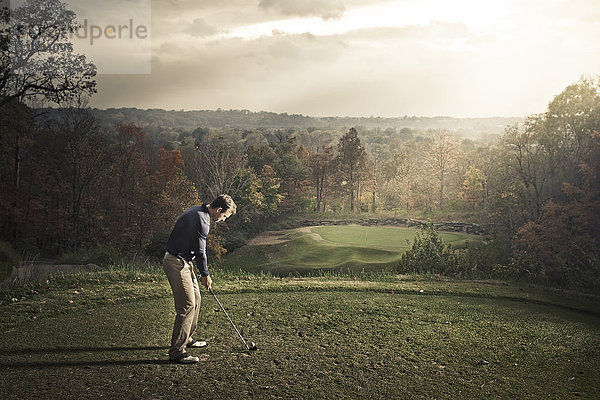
428 254
99 255
485 259
562 247
303 204
234 239
156 247
7 253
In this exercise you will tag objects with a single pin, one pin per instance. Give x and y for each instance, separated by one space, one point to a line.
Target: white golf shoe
197 344
185 359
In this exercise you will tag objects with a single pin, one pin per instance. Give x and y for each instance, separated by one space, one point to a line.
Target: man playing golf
186 244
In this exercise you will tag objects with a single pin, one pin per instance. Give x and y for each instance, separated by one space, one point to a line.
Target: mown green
386 238
347 249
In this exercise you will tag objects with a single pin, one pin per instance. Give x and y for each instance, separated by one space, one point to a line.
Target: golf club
252 345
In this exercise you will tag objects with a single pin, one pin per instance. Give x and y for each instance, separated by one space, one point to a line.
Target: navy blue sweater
188 238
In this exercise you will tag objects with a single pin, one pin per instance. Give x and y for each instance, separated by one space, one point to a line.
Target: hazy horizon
309 115
290 113
359 58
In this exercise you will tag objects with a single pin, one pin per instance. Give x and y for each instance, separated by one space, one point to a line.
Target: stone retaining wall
454 226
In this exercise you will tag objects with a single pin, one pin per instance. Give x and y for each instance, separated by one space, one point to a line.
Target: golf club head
252 346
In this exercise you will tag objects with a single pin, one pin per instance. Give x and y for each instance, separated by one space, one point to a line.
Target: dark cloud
228 73
326 9
444 67
168 9
191 5
201 28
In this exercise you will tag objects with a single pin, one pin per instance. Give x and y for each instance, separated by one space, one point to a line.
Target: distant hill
244 119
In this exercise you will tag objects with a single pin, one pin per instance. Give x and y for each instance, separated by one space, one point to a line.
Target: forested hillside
72 179
75 178
245 119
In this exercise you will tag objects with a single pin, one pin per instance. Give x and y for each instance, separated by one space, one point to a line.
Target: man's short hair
225 202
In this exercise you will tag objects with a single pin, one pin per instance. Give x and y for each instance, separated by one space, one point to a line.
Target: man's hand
206 281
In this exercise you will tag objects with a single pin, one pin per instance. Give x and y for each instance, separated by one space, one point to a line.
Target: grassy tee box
327 337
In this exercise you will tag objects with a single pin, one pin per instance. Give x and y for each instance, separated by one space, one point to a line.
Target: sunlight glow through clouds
475 14
415 57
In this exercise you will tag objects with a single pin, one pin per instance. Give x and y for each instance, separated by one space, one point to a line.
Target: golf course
348 335
347 249
299 199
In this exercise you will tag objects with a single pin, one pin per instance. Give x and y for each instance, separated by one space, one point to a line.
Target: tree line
69 182
188 120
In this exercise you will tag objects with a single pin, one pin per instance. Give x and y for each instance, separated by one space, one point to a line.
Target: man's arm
201 259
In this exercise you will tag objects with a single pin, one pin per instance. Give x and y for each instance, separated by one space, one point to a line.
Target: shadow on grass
66 349
84 364
80 363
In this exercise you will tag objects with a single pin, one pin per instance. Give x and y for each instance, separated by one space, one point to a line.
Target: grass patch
391 239
348 249
70 292
328 337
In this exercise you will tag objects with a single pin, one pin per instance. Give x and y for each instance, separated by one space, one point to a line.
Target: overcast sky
461 58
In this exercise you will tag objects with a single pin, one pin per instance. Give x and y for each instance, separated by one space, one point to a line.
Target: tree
528 163
473 189
258 157
320 165
259 195
396 177
566 128
37 58
563 244
130 165
547 151
428 254
268 187
487 162
216 167
379 152
17 128
290 168
36 61
351 158
84 150
441 157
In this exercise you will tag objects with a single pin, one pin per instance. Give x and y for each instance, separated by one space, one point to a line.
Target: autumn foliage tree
473 189
441 157
396 173
321 166
130 167
563 246
351 159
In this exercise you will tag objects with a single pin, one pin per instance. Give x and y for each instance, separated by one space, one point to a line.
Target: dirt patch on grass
269 237
282 236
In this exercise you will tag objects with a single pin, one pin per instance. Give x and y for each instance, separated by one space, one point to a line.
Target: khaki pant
186 294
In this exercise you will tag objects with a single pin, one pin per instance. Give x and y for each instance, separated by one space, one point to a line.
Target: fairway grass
346 249
386 238
330 338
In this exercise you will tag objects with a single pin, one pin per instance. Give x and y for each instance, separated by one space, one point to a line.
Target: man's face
222 215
